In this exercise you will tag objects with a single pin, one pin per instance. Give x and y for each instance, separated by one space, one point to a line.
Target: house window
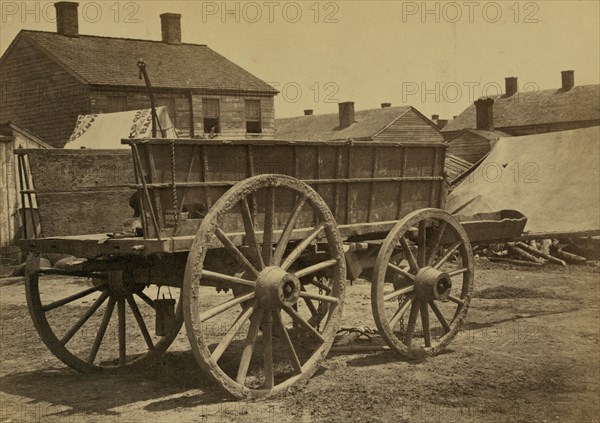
253 117
210 111
116 103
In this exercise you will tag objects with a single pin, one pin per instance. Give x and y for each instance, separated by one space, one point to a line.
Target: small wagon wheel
80 329
271 344
425 264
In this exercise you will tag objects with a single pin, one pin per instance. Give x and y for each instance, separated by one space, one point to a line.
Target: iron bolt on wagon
250 243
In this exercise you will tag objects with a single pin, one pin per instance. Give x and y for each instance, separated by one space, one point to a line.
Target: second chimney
568 79
511 86
67 22
308 112
170 25
346 113
386 105
484 110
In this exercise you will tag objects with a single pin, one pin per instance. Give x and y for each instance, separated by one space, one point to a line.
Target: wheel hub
431 284
275 287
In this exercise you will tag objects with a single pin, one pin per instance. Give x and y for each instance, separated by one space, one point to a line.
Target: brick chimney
568 79
346 114
67 22
170 25
484 110
386 105
511 86
308 112
441 123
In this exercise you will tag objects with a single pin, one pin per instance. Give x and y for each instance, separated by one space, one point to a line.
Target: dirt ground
528 353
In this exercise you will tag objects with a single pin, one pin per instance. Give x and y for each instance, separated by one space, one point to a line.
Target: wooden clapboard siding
181 110
40 95
410 127
469 146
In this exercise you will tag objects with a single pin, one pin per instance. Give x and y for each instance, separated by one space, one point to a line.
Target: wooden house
532 111
48 79
394 124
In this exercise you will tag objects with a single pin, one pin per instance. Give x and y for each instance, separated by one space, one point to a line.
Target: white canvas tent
105 130
552 178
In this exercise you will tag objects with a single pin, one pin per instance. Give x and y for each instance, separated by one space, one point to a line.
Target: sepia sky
436 56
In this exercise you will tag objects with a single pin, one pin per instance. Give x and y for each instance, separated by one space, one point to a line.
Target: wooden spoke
225 306
122 338
422 243
250 234
412 320
249 346
294 315
435 243
412 261
72 298
207 274
267 246
456 300
140 321
102 330
401 271
447 255
146 298
296 252
235 252
89 312
287 231
319 297
286 336
232 332
398 292
309 303
316 267
268 351
400 312
439 315
425 324
458 272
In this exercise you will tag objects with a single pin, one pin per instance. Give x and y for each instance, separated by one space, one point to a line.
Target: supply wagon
249 243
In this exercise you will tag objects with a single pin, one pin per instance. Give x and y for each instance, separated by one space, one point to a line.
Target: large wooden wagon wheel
274 342
106 324
424 268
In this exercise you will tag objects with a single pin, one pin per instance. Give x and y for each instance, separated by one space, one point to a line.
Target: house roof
368 123
490 136
580 103
8 129
113 62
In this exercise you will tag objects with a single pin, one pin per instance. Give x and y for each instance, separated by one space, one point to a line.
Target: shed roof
112 61
455 166
367 124
580 103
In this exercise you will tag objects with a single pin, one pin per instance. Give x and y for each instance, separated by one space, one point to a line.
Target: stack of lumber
535 253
